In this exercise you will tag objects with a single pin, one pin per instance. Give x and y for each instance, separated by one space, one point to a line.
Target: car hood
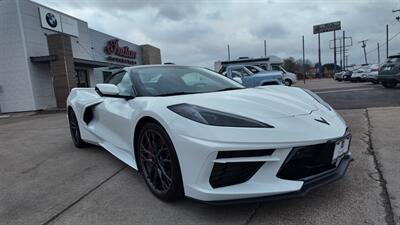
260 103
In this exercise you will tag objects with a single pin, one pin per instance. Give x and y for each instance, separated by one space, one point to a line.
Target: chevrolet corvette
192 132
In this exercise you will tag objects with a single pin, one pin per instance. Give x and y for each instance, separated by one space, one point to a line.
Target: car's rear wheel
159 163
389 84
74 129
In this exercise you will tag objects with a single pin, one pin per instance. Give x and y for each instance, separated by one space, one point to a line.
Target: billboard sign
327 27
55 21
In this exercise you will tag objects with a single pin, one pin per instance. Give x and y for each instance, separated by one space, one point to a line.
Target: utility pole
229 53
340 54
379 54
265 48
387 40
363 46
344 50
304 61
319 50
334 51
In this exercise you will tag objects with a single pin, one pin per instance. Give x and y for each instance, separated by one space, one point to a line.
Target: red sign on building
113 49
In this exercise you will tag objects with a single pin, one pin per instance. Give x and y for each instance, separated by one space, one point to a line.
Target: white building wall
16 93
82 46
36 43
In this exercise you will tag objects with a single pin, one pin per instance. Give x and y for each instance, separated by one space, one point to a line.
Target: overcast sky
197 32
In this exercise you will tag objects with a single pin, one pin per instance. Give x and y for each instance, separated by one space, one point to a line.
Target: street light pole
229 53
387 40
334 51
304 60
344 50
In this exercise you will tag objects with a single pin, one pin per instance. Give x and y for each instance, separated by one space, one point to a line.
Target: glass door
82 78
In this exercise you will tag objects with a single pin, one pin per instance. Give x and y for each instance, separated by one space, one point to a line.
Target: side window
191 79
123 81
237 73
252 69
116 78
244 72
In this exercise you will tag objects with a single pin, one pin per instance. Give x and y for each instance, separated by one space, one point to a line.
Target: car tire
358 79
389 84
375 82
74 130
159 163
288 82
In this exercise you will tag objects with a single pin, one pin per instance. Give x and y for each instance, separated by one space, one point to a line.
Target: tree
296 66
290 65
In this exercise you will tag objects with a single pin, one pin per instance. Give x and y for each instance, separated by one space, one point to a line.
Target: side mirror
107 89
238 79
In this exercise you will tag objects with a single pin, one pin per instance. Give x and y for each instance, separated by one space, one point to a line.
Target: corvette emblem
322 120
51 20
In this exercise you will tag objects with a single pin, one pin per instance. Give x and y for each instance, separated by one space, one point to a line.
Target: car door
247 77
116 115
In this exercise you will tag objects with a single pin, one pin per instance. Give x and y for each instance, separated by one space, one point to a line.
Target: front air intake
225 174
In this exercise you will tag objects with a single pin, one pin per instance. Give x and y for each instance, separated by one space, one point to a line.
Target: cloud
198 32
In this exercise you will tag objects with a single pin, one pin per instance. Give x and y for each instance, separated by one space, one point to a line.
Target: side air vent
88 114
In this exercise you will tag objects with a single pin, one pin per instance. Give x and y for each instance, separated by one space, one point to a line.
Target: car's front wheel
389 84
159 163
74 129
288 82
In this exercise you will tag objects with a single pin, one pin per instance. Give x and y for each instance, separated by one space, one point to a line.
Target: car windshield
175 80
254 69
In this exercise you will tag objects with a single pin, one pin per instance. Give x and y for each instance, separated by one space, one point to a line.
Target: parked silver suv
389 73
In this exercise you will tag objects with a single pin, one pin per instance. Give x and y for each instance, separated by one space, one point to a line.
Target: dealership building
45 53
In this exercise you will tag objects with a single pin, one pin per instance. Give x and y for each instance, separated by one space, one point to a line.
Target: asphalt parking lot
44 179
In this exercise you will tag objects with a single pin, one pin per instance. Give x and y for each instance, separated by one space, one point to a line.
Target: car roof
129 68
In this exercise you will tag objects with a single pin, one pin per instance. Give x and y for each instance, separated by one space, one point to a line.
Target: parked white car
372 75
359 75
192 132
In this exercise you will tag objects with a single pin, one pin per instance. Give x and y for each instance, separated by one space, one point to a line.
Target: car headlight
318 99
214 117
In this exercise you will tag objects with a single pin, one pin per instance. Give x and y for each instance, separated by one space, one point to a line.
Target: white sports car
192 132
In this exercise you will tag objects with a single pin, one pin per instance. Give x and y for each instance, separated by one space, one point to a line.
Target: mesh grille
307 161
225 174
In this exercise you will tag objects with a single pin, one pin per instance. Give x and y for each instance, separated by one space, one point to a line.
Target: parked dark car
389 73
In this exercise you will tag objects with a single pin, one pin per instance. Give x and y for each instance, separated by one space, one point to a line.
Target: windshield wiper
177 93
230 88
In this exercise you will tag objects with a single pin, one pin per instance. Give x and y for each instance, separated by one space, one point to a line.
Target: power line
398 33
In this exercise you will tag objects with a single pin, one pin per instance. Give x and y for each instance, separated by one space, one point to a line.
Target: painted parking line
346 90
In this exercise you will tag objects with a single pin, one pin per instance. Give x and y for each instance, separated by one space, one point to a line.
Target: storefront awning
90 63
43 59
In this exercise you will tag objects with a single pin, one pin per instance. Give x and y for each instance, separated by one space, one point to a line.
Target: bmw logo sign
51 20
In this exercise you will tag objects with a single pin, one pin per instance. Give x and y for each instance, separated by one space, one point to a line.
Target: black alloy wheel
159 163
288 82
74 129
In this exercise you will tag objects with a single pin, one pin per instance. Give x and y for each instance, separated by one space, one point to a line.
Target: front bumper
200 158
309 184
389 78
